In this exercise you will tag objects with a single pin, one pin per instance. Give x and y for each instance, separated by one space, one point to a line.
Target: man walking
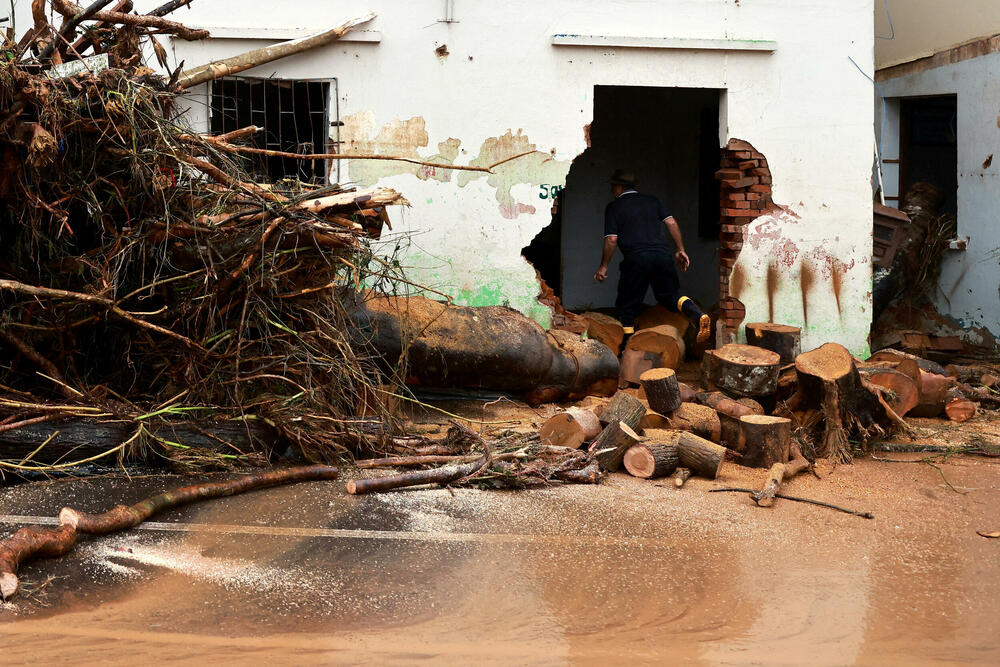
638 224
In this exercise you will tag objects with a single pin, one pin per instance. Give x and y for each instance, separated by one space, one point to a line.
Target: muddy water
625 572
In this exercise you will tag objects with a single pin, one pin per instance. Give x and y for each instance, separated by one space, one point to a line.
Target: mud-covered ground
626 571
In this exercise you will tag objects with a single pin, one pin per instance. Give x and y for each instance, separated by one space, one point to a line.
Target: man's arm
610 243
683 261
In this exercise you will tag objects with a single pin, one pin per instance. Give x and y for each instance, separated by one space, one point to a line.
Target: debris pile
146 276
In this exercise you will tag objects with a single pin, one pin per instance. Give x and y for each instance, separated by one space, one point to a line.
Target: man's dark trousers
640 270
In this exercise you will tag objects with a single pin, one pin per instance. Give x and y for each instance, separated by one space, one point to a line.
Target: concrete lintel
632 42
281 34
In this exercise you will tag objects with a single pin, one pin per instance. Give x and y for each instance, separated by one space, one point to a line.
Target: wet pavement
628 571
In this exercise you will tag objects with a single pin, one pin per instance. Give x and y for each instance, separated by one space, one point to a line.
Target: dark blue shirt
637 220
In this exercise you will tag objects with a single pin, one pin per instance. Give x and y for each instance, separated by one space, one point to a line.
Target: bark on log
701 456
742 370
36 542
652 458
605 329
701 420
664 340
571 428
610 446
960 409
766 440
257 57
442 475
900 391
580 367
654 420
780 472
687 393
892 354
729 412
780 338
589 474
681 476
624 407
662 391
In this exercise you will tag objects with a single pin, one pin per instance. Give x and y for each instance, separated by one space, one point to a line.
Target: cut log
960 409
933 390
662 390
571 428
605 329
34 541
701 456
780 472
681 476
610 446
742 370
892 354
654 316
687 393
624 407
701 420
635 363
729 412
664 340
653 457
899 390
780 338
766 440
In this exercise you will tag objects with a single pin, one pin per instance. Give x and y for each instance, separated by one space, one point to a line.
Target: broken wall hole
744 195
294 116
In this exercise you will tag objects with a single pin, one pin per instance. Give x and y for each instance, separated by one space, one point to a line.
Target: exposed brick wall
745 194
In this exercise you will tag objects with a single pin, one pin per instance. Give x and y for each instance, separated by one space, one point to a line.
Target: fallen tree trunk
580 367
37 542
267 54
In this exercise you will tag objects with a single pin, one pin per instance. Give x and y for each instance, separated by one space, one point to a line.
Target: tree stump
605 329
656 456
767 440
828 378
742 370
624 407
662 391
681 476
701 420
780 338
699 455
664 340
571 428
610 446
960 409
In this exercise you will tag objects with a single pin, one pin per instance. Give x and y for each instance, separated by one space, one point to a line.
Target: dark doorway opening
668 137
294 116
928 145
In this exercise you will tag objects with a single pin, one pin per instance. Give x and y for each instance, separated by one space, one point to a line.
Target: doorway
669 138
928 146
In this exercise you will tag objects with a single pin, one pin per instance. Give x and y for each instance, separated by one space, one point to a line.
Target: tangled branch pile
142 271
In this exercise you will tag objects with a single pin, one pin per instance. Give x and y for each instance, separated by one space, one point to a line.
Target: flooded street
624 571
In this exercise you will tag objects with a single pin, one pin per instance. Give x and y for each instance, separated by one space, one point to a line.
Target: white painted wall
805 107
970 280
924 27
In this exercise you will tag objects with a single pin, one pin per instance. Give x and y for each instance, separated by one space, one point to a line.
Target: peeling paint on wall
399 137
